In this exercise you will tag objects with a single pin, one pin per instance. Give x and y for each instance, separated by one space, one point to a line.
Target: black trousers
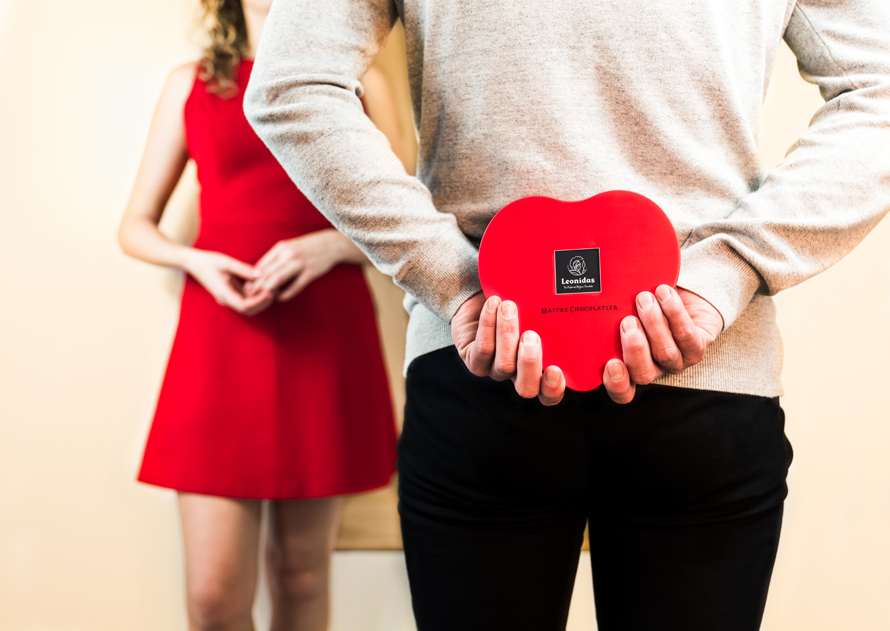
682 489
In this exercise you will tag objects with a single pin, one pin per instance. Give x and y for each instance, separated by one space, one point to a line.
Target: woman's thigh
492 500
686 501
302 535
221 538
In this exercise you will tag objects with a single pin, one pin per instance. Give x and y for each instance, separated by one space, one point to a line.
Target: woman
268 394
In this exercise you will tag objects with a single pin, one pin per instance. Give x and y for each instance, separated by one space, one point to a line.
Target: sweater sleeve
303 102
833 186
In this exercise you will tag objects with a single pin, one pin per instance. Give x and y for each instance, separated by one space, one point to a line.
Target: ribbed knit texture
569 98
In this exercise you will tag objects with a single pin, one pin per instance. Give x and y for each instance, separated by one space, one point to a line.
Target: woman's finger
259 303
282 272
227 296
238 268
269 257
251 287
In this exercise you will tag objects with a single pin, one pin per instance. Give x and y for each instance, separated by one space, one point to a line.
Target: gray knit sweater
569 98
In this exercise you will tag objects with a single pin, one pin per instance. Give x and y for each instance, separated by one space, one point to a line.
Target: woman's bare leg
302 534
221 546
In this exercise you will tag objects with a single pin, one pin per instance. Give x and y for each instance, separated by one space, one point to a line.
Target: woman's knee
298 574
214 605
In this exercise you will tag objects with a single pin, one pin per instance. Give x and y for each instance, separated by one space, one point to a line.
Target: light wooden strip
371 521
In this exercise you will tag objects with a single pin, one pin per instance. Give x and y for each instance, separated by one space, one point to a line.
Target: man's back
570 98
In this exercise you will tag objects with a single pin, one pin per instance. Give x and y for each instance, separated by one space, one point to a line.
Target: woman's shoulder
176 91
184 74
180 83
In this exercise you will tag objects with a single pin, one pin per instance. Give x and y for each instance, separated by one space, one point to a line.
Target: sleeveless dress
292 402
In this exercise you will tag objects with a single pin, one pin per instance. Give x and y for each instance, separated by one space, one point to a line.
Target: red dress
292 402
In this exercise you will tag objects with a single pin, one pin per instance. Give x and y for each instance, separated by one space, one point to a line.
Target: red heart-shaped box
574 270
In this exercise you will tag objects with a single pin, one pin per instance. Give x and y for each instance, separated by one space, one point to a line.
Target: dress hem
349 490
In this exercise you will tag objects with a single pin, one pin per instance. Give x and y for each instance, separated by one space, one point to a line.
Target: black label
577 271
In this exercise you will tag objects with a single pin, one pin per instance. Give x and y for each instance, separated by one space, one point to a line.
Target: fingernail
529 337
492 303
508 310
629 324
644 300
663 292
616 370
551 376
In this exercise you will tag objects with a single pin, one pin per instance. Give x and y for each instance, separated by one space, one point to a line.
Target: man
679 463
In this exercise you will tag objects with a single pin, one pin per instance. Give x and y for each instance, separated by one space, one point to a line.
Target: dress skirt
290 403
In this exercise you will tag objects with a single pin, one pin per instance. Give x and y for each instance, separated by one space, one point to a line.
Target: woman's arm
162 165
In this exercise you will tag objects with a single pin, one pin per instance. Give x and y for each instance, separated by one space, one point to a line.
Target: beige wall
85 334
833 569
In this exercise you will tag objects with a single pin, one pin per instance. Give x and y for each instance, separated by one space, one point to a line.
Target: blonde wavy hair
225 44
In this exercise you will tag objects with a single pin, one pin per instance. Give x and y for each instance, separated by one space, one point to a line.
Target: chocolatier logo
577 267
577 271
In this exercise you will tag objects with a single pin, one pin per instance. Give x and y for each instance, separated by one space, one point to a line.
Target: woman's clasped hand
280 274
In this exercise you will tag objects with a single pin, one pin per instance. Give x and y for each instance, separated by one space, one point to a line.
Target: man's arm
303 101
833 186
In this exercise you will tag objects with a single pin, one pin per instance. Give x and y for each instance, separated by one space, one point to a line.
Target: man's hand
486 334
677 328
674 331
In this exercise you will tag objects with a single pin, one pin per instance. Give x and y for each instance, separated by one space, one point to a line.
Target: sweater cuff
443 278
714 271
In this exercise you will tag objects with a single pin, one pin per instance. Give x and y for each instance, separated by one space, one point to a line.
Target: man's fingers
553 386
480 353
465 325
617 381
661 341
686 335
506 342
485 333
637 356
528 366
